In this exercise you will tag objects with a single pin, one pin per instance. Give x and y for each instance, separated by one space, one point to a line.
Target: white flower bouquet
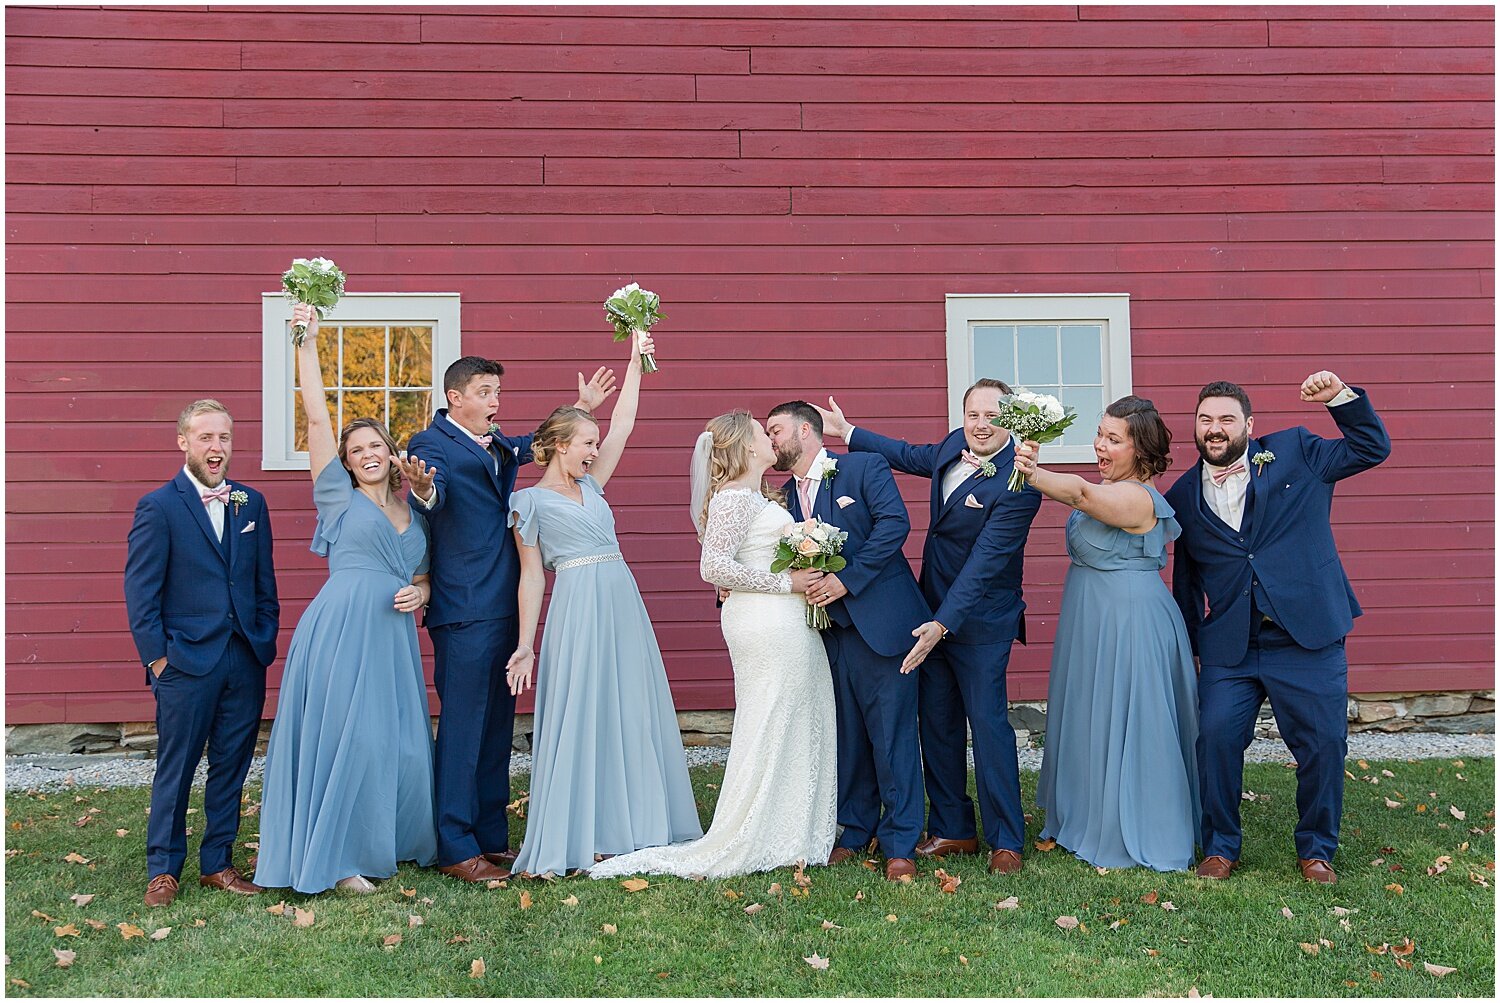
634 309
317 283
1038 417
811 544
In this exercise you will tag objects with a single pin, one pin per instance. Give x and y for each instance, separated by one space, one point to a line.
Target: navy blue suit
472 619
971 575
879 759
208 604
1267 608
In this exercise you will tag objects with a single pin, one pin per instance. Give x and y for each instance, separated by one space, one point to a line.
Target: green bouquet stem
817 617
1017 481
648 362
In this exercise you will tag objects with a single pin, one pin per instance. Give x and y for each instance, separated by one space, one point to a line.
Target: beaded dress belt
579 562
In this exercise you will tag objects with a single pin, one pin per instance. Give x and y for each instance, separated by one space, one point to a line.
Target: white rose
1053 409
820 534
301 261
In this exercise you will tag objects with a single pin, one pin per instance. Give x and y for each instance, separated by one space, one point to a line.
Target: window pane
409 415
1082 354
995 353
1038 356
328 358
1089 403
299 416
363 404
364 357
411 357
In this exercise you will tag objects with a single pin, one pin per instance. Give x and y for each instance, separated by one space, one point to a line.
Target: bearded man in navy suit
200 591
875 607
472 615
971 577
1267 605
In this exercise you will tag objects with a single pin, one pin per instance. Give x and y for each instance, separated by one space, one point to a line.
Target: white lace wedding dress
777 803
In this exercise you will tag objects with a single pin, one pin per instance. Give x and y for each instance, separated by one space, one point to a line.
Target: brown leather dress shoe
504 859
1005 862
161 890
474 869
900 869
1318 871
937 847
1216 867
229 880
839 855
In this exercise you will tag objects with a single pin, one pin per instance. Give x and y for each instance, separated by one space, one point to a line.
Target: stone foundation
1457 713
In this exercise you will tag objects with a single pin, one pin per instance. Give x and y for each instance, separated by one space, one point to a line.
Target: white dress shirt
1227 500
215 508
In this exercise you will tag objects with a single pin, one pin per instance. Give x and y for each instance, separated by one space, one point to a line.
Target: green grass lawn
685 938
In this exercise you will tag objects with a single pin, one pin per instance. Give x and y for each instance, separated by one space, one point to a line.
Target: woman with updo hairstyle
777 802
1119 778
608 773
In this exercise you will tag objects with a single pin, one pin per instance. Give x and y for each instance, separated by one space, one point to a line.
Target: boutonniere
494 429
238 498
829 469
986 469
1260 460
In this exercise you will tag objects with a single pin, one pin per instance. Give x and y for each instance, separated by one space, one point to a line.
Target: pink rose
808 547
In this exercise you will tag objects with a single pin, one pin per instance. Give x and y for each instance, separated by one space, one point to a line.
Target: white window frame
1111 310
440 310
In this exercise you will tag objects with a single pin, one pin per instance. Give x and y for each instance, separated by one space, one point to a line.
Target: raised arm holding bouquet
634 309
1032 418
317 283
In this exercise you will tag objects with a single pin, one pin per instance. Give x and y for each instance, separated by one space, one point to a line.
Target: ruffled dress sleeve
523 516
730 514
1166 529
332 494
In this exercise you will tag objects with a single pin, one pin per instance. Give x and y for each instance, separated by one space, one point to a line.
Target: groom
1267 605
472 615
875 606
971 576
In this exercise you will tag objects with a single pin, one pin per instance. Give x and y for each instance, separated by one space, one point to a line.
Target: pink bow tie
484 440
219 494
971 460
1220 476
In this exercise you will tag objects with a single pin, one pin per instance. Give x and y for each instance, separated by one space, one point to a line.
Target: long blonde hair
729 455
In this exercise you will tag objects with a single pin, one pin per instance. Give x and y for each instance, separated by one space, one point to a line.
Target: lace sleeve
730 514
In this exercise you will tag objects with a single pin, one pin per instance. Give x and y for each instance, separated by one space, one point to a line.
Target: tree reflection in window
374 371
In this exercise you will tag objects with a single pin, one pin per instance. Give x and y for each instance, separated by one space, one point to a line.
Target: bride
776 805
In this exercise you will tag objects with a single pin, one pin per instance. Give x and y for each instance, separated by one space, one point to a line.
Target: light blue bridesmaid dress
348 782
608 772
1119 776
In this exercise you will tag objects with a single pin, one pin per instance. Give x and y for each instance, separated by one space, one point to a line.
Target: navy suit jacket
972 560
1285 541
186 592
884 603
475 567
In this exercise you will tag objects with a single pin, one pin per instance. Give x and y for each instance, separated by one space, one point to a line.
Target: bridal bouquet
633 309
317 283
1038 417
811 544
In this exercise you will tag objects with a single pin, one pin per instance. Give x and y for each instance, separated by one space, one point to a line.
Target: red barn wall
1280 189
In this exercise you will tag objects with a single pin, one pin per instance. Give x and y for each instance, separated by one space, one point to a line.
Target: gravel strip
54 772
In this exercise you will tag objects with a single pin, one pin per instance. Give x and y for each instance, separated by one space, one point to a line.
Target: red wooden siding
1280 189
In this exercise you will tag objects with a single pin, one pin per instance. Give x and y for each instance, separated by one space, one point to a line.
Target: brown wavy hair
559 428
729 457
1149 435
385 437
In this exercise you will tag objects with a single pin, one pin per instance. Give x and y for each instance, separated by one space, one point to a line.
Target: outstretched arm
321 445
899 453
622 421
1124 504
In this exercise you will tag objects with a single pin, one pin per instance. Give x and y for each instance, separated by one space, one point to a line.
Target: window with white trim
383 356
1075 347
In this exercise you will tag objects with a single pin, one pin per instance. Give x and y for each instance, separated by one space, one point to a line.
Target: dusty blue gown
348 782
1119 776
608 772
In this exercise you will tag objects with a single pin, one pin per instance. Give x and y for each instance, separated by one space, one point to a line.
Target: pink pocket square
972 502
844 501
249 526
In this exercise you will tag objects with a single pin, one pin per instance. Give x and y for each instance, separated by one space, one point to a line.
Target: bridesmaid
608 771
1119 778
348 781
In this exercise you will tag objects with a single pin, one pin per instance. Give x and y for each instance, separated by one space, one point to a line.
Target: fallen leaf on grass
1339 910
1344 924
66 930
409 892
1287 913
1067 922
1362 764
635 884
75 858
1382 949
391 940
476 968
1404 948
731 894
963 961
948 882
753 908
1150 898
302 917
1008 903
609 929
129 930
1194 994
1457 813
1118 923
1386 773
821 964
97 924
1377 861
81 900
1438 970
277 909
1046 845
598 960
525 900
1421 809
161 934
1169 907
458 938
775 888
1101 871
122 833
1326 942
1395 888
859 896
1402 963
570 900
799 875
1392 804
829 924
1151 952
64 958
20 982
413 920
494 883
